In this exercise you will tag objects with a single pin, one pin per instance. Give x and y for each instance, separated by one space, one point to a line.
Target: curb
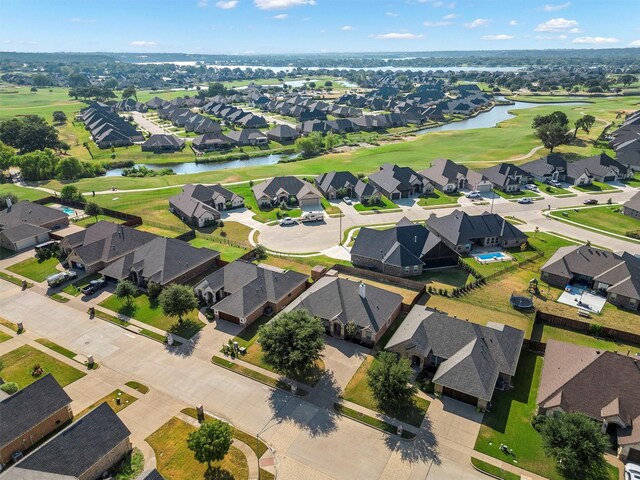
374 427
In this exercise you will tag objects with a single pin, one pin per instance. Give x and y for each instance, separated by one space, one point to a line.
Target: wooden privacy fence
589 328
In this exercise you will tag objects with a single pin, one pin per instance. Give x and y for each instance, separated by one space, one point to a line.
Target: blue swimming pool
68 210
492 256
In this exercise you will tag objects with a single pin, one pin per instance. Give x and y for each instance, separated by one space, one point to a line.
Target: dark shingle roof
25 212
460 228
288 184
150 475
28 407
337 298
475 354
80 446
393 177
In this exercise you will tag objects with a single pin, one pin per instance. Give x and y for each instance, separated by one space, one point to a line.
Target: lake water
488 119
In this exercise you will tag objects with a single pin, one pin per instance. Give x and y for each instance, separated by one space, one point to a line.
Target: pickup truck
93 286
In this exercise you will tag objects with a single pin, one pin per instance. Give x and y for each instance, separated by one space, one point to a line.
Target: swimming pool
489 257
68 210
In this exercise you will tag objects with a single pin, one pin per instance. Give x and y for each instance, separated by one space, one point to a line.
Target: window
633 302
436 360
406 269
612 297
416 268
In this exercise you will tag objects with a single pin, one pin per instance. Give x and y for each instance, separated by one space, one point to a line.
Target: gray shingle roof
545 165
633 202
504 174
25 212
290 185
82 445
337 298
444 171
392 177
475 354
250 286
460 228
28 407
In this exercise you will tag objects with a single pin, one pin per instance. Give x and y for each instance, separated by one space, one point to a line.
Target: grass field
607 218
478 147
19 363
437 198
176 462
358 391
147 310
596 187
4 337
34 269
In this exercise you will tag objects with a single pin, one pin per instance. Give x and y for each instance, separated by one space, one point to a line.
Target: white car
525 200
347 200
531 186
631 471
287 221
473 194
555 183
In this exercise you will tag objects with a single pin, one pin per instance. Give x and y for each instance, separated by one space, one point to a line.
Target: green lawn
34 269
596 187
606 217
486 269
75 288
369 420
88 221
228 253
4 337
543 332
522 193
438 198
358 391
19 363
493 471
176 462
147 310
384 204
453 277
633 182
137 386
555 191
111 400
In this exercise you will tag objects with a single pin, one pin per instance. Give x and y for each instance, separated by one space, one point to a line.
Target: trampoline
521 302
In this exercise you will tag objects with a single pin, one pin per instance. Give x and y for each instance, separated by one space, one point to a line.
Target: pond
490 119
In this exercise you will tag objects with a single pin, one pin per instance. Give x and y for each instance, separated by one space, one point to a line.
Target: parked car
287 221
555 183
590 201
347 200
93 286
58 279
531 186
631 471
525 200
473 194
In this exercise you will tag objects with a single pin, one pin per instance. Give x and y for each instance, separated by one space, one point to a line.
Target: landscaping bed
19 365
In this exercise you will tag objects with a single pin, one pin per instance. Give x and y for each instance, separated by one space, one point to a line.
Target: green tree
29 133
177 300
216 88
71 192
130 92
312 84
328 83
93 209
59 117
292 342
69 168
388 379
4 196
555 117
577 445
350 330
110 83
38 165
211 442
310 145
585 123
125 290
330 141
552 135
628 79
6 156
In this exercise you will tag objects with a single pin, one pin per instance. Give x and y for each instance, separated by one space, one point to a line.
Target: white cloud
143 43
557 25
396 36
391 14
82 20
554 8
502 36
437 4
280 4
596 40
347 28
19 42
451 16
576 30
478 22
203 3
635 43
227 5
282 16
551 37
513 23
437 24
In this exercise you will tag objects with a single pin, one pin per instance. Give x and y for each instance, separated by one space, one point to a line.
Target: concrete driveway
148 125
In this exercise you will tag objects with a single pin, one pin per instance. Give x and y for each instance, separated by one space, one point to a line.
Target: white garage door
309 202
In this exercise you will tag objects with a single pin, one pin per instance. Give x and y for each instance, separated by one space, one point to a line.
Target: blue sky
308 26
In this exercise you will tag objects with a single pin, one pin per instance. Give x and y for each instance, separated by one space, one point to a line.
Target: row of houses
108 129
234 115
37 421
625 140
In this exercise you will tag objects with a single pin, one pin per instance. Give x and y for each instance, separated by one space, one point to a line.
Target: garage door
309 202
395 196
484 188
610 178
463 397
634 456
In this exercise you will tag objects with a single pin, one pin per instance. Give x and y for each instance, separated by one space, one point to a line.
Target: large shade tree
389 378
292 342
177 301
211 442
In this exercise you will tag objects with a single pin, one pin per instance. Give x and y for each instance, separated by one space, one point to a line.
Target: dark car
93 286
590 201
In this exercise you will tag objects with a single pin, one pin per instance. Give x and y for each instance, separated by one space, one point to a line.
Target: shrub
595 329
9 387
154 289
538 421
37 370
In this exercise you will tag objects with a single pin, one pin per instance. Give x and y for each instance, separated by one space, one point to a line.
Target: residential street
309 439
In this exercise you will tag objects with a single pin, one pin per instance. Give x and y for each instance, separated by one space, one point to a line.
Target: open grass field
358 391
23 193
176 462
607 218
479 148
19 363
147 310
35 269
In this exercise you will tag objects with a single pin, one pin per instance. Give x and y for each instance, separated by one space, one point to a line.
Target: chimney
362 290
